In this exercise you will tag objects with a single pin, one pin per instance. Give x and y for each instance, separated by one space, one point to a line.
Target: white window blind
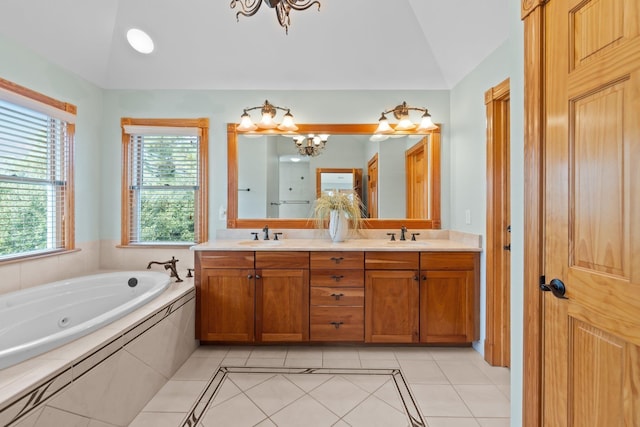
163 186
34 180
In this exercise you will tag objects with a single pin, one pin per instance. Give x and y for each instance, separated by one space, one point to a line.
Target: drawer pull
336 259
337 296
336 324
336 278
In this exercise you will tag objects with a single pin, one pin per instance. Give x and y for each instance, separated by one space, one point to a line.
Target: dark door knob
556 287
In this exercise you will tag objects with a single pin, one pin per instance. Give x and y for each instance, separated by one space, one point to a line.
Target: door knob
556 287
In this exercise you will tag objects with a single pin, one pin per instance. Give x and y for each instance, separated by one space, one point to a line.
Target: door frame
498 323
532 14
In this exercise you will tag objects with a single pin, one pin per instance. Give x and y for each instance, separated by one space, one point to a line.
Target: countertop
432 240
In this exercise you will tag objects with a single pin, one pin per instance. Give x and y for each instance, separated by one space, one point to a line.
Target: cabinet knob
337 296
336 324
258 276
250 276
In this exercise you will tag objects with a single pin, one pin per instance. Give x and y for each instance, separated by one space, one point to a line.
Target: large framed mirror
270 182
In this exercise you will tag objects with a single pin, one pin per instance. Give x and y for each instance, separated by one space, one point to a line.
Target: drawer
282 259
224 259
338 278
392 260
337 297
336 324
448 260
337 260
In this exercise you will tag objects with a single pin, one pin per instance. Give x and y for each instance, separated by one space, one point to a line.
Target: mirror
264 184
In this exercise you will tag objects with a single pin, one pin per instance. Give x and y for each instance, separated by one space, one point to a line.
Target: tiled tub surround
104 378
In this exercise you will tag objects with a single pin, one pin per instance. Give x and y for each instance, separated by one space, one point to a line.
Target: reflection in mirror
270 179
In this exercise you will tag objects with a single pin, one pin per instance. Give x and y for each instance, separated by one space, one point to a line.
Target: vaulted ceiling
348 44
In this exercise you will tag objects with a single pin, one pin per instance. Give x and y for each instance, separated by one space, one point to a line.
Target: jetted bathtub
36 320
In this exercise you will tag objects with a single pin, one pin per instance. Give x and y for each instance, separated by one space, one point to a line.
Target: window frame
53 108
201 231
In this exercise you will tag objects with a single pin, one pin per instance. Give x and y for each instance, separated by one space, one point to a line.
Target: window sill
39 255
156 246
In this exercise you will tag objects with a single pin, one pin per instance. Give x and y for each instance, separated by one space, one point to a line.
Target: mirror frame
336 129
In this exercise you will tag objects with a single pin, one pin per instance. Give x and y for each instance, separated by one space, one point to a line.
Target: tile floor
451 387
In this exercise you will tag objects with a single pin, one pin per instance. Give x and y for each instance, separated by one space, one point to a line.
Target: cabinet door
446 307
391 306
282 305
227 305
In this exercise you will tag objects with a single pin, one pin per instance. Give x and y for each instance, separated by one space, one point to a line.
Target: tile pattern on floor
301 396
452 387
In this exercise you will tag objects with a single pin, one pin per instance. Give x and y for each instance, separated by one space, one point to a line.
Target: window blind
34 162
163 186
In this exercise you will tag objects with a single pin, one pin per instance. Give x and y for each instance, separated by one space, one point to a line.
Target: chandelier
267 122
404 125
311 145
283 7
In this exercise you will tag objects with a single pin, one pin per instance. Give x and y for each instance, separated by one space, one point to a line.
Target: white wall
27 69
468 175
222 107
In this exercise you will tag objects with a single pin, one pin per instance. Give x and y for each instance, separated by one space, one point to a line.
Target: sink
260 242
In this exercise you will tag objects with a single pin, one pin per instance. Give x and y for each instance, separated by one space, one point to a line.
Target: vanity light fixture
311 145
401 113
282 7
268 112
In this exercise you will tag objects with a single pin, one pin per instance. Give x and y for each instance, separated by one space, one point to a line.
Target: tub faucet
266 232
168 265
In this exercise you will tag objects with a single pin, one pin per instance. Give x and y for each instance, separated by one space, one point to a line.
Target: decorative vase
338 225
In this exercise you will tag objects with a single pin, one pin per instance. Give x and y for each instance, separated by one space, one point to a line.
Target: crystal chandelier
282 7
311 145
267 122
404 125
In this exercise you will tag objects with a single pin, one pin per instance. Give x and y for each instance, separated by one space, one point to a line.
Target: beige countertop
369 240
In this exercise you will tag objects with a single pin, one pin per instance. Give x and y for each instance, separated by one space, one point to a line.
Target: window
36 173
164 194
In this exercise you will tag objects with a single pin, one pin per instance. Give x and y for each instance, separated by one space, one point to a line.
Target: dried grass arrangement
347 202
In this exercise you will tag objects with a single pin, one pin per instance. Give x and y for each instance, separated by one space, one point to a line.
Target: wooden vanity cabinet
225 296
337 296
392 290
449 295
282 296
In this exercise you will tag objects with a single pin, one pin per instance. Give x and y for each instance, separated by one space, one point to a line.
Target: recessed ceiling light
140 41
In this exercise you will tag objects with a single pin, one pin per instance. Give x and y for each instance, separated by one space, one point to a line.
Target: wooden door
591 340
497 343
282 305
372 187
227 305
391 306
417 180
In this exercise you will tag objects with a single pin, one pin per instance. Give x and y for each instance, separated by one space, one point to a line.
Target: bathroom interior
90 382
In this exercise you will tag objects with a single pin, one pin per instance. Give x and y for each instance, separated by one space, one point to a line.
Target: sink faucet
168 265
266 232
403 230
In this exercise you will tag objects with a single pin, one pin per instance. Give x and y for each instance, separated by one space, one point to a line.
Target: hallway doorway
498 341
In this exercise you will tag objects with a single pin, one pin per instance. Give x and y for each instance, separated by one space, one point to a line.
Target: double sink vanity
368 289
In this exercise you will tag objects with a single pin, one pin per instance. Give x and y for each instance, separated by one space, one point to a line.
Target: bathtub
38 319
